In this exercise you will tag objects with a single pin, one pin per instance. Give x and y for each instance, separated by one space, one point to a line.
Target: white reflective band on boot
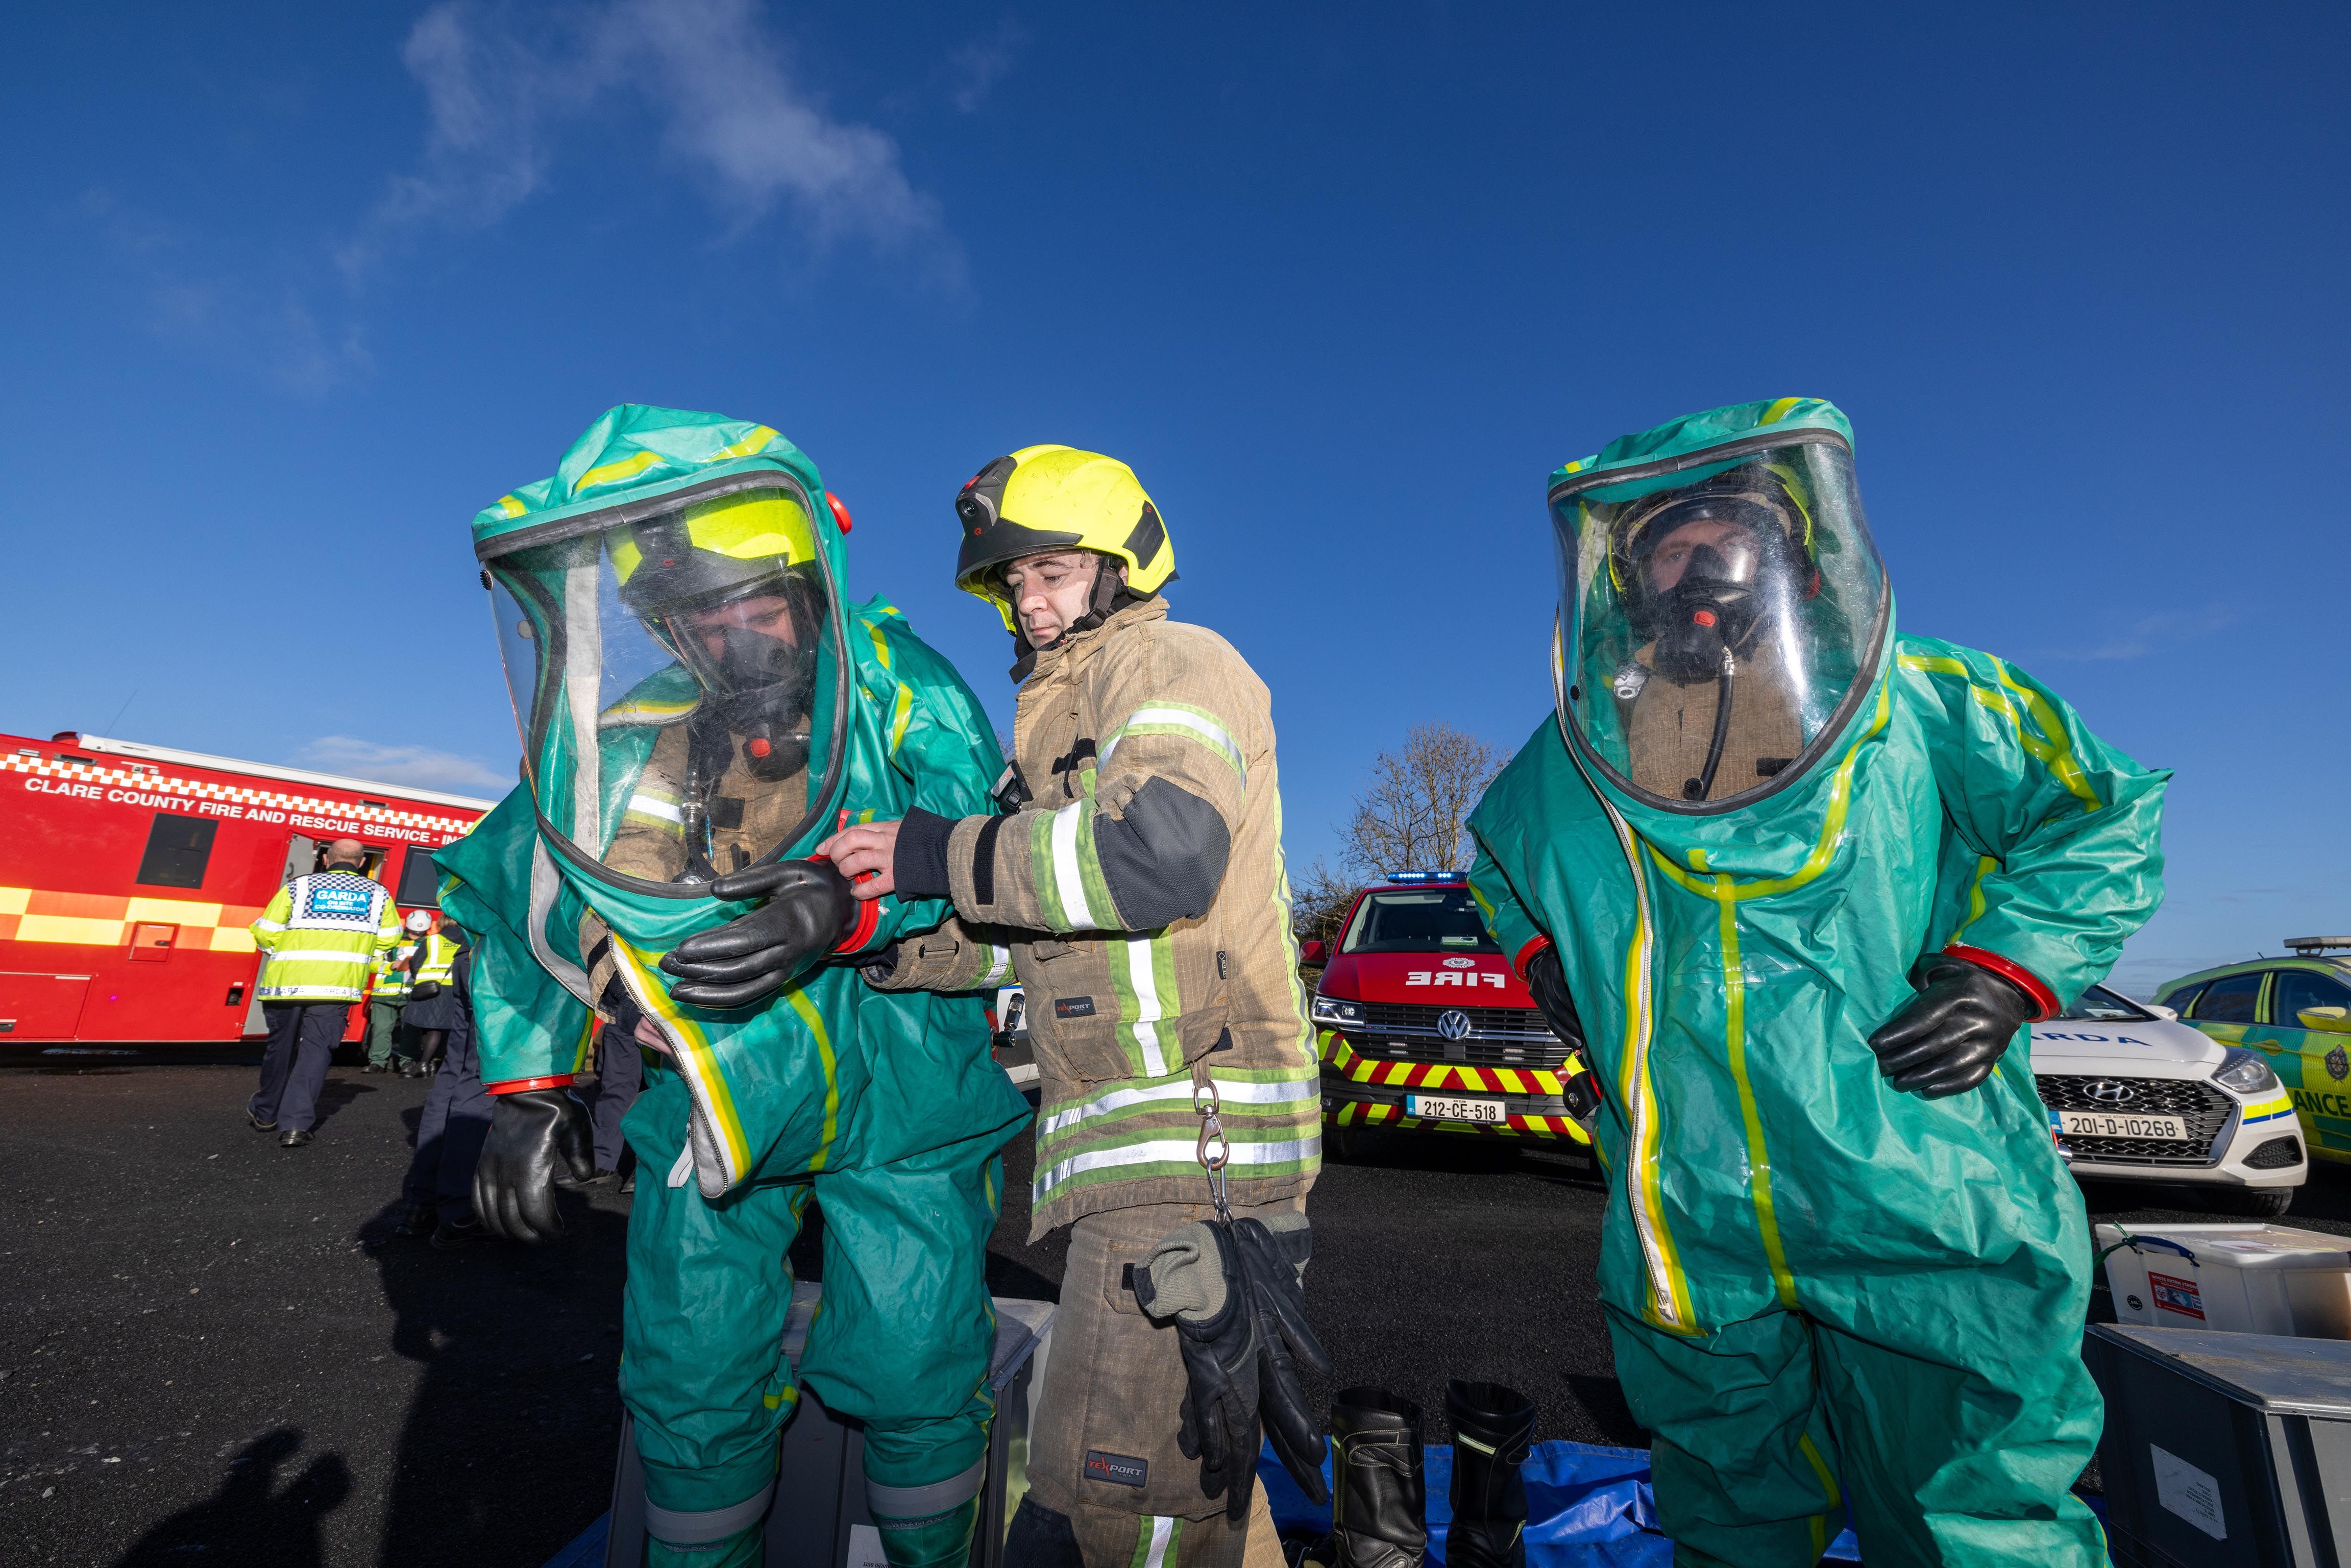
916 1504
709 1525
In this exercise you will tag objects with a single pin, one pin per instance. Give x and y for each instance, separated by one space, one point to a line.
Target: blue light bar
1413 876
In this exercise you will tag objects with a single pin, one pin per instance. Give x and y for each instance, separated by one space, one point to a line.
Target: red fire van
1421 1025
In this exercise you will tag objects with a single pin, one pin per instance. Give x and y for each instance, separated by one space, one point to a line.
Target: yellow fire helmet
710 551
1057 497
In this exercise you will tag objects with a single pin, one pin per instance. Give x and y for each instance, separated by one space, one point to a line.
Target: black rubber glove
531 1132
1578 1090
808 911
1272 1260
1947 1038
1216 1335
1548 981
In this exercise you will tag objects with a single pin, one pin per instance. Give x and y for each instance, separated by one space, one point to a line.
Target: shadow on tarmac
337 1094
250 1520
519 1349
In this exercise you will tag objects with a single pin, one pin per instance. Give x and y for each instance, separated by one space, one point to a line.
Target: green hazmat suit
670 553
1823 1293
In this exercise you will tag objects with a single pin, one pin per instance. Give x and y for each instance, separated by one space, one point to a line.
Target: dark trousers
302 1039
449 1139
619 1074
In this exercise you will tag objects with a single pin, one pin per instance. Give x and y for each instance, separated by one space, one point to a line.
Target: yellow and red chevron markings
105 920
1437 1074
1338 1053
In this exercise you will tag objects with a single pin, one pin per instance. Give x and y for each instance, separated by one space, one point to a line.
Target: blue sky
287 294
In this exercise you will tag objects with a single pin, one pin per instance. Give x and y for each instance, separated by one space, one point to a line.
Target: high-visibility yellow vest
323 933
390 981
440 959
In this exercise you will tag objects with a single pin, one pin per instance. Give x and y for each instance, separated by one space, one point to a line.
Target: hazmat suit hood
1724 616
678 575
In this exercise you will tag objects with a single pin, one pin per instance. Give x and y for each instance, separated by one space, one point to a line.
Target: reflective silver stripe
546 882
923 1502
1227 1091
318 956
999 964
662 808
1160 1532
304 994
1068 879
1172 1150
707 1525
266 925
1147 1014
1199 724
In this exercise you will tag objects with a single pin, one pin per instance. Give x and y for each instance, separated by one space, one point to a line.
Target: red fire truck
1421 1027
129 874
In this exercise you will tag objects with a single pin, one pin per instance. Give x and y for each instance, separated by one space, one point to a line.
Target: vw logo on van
1453 1024
2107 1092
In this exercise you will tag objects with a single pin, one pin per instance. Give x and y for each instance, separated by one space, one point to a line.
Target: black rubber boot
1492 1427
1379 1500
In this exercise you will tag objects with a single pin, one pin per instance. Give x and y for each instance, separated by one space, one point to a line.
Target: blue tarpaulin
1587 1507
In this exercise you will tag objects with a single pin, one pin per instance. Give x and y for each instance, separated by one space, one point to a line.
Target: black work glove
426 990
1272 1261
1947 1038
531 1130
1548 981
1201 1289
808 911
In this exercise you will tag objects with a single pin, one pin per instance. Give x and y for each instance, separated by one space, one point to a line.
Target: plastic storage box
2232 1279
2224 1450
819 1519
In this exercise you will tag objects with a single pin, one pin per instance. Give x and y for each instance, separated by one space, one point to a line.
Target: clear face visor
675 666
1720 615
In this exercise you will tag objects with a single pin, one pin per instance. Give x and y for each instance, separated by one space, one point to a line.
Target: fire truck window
177 850
419 881
1431 922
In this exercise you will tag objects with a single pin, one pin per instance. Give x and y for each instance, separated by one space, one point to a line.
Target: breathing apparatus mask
1720 612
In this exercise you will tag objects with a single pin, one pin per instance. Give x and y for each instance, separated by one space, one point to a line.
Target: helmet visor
1720 615
674 665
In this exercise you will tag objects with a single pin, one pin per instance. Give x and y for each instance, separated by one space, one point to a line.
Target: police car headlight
2245 1072
1331 1011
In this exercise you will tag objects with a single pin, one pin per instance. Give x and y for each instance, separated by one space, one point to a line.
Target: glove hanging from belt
1232 1291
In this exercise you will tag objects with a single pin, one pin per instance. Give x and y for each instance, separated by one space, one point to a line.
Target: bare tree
1413 815
1318 900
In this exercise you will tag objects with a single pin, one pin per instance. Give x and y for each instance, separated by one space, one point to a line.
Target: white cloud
501 89
2150 632
979 65
417 765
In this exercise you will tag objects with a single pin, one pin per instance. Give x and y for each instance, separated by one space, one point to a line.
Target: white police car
2134 1096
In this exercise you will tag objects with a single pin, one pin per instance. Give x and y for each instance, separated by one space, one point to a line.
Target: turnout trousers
903 1341
449 1139
302 1041
1102 1448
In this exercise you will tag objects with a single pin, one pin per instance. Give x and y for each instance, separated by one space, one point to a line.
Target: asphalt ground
211 1350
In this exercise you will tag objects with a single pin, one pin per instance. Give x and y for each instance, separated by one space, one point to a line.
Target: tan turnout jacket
1141 897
